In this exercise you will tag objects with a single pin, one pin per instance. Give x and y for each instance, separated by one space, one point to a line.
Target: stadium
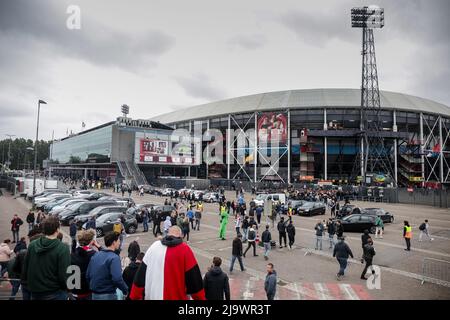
319 137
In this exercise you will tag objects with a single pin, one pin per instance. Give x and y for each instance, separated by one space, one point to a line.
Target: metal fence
436 271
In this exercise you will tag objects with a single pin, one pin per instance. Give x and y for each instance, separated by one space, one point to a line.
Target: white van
276 197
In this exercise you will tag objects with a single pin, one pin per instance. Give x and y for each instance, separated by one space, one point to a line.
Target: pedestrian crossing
253 289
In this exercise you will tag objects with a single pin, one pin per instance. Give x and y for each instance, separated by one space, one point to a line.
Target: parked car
358 223
275 197
295 205
43 201
98 212
57 209
348 209
164 210
211 197
46 193
167 191
67 215
55 202
96 195
311 209
80 192
106 223
385 216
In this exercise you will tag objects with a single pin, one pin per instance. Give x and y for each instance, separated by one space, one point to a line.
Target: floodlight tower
373 155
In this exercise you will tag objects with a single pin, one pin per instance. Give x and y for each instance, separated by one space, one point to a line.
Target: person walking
266 238
145 218
130 271
129 192
167 225
157 219
379 227
73 235
46 263
216 283
369 253
407 234
190 216
30 220
424 229
331 229
342 252
223 223
238 224
290 229
5 256
186 228
319 234
364 239
156 279
270 283
16 222
81 257
104 272
197 218
339 229
251 241
236 253
245 226
259 210
281 227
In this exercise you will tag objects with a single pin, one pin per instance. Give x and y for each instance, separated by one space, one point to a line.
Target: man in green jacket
46 264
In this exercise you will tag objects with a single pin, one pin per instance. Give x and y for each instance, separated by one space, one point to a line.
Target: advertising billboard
270 121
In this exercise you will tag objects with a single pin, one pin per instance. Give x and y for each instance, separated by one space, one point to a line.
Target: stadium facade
319 136
286 136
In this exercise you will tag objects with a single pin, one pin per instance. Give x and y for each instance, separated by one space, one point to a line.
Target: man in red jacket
169 271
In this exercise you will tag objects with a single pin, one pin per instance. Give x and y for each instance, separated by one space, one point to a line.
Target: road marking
348 291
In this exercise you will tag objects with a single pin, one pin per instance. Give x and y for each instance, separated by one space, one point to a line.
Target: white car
276 197
167 191
51 197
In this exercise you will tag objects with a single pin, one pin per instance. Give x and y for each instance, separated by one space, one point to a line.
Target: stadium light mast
373 154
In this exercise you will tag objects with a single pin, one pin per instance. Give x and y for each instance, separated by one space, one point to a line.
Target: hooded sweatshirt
216 284
167 224
5 252
169 271
270 284
46 265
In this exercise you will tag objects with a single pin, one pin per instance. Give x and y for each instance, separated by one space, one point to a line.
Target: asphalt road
305 273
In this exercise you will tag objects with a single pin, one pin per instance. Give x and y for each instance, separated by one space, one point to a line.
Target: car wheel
372 230
131 229
99 233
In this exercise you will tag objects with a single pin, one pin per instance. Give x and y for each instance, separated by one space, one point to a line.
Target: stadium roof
302 99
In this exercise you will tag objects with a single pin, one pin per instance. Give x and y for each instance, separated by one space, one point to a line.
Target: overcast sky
159 56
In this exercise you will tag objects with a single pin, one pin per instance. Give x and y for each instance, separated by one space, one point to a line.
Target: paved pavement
305 273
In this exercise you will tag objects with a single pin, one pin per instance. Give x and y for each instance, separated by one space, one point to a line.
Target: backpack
251 235
117 228
422 226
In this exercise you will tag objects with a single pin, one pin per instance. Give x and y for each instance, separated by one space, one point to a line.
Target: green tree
20 156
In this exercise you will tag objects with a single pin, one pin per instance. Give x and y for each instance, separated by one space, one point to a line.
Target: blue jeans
266 248
244 234
57 295
26 294
233 259
15 236
319 242
15 288
342 265
331 239
104 296
145 225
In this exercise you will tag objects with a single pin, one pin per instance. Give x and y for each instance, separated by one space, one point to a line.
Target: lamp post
35 147
9 148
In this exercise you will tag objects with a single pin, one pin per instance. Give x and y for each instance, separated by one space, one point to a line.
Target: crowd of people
42 269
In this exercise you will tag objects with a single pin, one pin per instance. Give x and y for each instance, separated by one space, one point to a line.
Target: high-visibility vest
290 212
408 233
200 207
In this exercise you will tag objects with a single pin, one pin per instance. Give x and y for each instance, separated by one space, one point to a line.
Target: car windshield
75 206
108 216
308 205
261 197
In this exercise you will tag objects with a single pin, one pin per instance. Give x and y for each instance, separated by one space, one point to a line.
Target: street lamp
35 147
9 148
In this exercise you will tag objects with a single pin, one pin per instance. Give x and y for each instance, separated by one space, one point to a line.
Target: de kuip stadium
318 132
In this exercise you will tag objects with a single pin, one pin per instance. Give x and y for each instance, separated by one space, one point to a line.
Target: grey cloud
249 42
37 22
199 86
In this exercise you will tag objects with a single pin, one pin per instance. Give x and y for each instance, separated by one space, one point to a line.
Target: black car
358 223
348 209
311 209
164 210
385 216
98 212
67 215
106 223
295 204
96 195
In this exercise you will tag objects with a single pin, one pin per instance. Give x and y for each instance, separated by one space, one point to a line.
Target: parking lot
305 273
